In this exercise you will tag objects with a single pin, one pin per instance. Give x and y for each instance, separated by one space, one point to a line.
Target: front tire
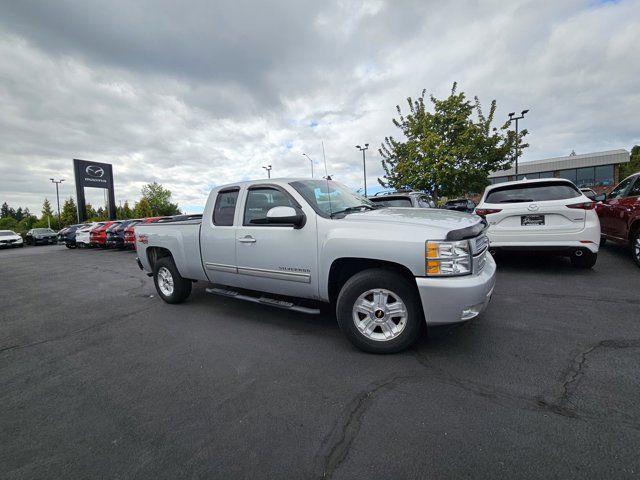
586 260
170 285
70 246
379 311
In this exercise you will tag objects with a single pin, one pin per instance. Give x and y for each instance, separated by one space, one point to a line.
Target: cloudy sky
199 93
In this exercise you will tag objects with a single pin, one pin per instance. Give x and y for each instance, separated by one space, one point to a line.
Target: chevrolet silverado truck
298 244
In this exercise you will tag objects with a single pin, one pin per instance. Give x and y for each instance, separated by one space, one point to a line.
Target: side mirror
286 216
600 198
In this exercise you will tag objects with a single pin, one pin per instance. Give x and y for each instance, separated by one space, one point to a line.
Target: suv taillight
483 212
583 205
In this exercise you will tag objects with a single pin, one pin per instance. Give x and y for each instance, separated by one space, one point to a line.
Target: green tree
126 210
8 223
69 213
143 209
47 216
630 168
19 214
159 199
4 210
91 213
447 152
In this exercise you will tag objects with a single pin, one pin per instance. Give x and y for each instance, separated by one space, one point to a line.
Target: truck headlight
448 258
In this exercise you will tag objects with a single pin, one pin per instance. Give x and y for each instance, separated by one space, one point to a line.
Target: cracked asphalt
101 379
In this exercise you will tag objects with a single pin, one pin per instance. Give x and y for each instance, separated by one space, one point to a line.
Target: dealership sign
95 175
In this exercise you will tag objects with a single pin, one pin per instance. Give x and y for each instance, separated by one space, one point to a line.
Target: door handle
247 239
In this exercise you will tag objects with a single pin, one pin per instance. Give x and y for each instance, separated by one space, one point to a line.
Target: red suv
620 215
98 236
130 234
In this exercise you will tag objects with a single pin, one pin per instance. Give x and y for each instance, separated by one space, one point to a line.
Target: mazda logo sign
94 171
533 207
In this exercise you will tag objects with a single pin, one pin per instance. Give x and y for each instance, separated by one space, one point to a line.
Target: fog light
471 312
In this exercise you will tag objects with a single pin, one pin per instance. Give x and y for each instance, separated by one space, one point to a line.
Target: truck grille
479 246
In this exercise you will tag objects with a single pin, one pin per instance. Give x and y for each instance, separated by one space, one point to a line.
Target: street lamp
58 196
305 155
268 169
511 117
364 165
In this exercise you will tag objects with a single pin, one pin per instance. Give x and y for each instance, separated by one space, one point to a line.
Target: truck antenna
326 177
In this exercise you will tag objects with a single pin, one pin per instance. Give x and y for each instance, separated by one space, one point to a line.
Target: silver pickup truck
298 244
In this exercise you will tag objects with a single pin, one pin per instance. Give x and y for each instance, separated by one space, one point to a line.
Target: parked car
403 199
589 193
301 242
550 215
9 238
40 236
83 235
460 205
129 231
116 232
620 215
68 235
98 235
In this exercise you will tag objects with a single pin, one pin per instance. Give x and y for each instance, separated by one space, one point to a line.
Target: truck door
218 238
273 258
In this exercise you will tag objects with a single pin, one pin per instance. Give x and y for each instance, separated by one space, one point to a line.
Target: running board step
225 292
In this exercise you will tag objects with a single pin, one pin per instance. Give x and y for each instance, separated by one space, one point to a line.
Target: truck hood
442 220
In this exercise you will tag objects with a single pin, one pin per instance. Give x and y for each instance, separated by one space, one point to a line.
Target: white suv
549 214
83 235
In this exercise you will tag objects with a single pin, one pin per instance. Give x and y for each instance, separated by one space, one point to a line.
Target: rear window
392 202
534 192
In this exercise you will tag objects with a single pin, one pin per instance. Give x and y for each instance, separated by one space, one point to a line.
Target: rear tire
587 260
635 246
70 246
379 311
170 285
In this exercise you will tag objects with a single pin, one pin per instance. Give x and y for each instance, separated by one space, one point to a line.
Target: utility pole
58 197
268 169
364 165
511 117
304 154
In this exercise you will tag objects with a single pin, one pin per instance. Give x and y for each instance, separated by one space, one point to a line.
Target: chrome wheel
380 315
636 248
165 281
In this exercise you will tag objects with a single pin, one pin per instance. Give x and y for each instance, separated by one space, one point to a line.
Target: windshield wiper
354 209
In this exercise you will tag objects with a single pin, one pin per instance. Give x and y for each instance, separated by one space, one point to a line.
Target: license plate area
531 220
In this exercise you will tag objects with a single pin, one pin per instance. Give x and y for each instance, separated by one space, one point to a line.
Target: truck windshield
329 197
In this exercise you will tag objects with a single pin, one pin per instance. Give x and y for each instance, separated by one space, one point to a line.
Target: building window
568 174
604 175
585 177
500 180
546 174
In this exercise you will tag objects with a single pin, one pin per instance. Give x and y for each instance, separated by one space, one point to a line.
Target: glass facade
602 176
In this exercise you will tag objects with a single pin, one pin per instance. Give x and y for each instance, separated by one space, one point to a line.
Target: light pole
511 117
268 169
58 196
305 155
364 165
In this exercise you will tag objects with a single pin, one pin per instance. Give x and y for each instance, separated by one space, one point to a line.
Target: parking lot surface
101 379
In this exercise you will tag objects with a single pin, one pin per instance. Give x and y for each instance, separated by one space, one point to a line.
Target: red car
620 215
130 234
98 236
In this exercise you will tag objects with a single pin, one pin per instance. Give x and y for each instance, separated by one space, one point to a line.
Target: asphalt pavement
101 379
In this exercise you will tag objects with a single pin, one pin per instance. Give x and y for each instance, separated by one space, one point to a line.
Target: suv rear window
533 192
393 202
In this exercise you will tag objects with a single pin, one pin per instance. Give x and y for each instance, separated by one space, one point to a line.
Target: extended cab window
260 201
225 208
394 202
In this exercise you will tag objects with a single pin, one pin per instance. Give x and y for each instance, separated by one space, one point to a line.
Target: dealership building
599 170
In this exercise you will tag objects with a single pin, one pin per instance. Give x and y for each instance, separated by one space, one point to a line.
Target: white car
9 238
83 235
549 214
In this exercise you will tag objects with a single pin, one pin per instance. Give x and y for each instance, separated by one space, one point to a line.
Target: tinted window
604 175
585 177
546 175
568 174
538 192
392 202
619 190
424 202
635 190
225 208
260 201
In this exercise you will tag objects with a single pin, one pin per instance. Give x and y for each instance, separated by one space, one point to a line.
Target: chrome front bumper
457 299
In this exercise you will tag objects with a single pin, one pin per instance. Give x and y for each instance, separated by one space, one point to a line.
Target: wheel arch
155 253
342 269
